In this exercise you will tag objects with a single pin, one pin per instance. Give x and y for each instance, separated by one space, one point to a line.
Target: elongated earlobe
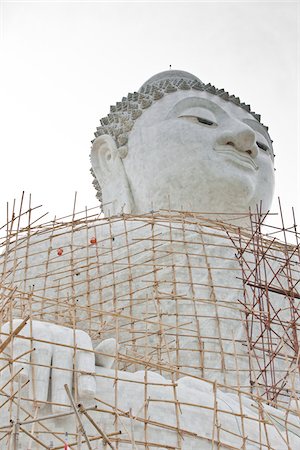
111 176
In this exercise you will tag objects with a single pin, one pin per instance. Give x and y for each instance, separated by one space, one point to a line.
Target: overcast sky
64 63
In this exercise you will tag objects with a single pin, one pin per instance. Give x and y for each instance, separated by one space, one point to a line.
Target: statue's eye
264 147
205 121
199 119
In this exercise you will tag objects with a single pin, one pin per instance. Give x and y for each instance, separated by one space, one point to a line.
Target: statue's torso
173 291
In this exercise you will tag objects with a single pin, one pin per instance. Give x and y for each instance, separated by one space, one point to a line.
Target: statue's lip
242 158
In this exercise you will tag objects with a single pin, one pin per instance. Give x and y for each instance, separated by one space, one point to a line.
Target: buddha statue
144 313
199 149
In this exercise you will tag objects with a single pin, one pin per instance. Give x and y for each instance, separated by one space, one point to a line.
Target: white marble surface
169 290
110 294
190 150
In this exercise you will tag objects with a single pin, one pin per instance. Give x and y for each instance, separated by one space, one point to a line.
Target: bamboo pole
77 416
13 334
98 428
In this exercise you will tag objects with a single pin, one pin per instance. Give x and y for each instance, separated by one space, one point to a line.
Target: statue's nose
241 137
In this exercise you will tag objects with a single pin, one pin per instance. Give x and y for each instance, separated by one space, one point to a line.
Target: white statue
160 291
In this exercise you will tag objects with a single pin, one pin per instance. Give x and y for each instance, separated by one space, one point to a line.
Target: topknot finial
171 75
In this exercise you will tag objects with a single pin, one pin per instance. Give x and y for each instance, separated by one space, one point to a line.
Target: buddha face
196 151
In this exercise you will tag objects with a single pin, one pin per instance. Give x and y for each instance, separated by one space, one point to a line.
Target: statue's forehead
175 104
181 100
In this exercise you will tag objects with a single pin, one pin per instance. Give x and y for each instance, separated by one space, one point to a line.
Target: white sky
64 63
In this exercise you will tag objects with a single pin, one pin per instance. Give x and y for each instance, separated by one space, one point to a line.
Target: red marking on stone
93 240
60 251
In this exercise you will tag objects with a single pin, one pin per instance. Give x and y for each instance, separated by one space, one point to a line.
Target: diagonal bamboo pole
101 432
13 334
77 415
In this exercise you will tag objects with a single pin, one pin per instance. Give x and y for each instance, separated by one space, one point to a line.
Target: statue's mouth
236 156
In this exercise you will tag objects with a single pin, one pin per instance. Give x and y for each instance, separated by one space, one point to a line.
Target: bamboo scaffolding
167 286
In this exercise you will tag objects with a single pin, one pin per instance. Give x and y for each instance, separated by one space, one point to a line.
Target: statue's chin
221 195
220 191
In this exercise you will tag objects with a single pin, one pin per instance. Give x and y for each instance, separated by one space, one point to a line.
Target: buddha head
180 144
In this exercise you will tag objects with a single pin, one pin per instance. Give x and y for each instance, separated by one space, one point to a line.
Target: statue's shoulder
58 244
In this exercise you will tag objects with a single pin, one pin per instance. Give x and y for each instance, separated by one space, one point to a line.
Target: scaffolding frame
112 272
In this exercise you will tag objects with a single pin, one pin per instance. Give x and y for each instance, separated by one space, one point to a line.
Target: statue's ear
102 154
111 176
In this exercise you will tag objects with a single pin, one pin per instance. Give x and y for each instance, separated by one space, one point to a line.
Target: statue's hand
105 353
44 353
